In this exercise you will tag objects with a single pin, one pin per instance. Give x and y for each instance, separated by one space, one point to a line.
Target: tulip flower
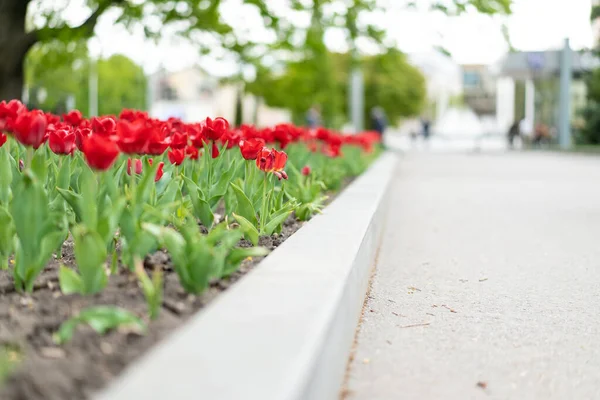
192 152
159 172
251 147
272 161
3 139
214 129
81 133
306 171
138 166
215 150
62 141
73 118
30 128
133 137
100 152
105 126
178 140
176 157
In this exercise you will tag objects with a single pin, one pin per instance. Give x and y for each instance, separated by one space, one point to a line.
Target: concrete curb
285 331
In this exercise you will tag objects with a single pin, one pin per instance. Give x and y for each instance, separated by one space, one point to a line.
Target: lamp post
564 112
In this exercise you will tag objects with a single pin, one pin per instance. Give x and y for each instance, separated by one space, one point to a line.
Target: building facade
192 94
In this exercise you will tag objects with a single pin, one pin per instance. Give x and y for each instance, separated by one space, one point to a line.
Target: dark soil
89 361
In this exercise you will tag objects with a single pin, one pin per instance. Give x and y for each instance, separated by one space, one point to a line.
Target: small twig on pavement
448 308
415 325
483 279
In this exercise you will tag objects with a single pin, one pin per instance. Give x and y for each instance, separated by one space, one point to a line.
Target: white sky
471 38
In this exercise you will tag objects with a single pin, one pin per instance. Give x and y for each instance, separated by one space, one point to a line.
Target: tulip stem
263 208
29 157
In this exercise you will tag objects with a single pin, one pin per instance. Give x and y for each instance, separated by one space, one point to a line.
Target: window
471 79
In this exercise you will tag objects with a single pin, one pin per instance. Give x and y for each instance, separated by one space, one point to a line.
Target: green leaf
38 164
64 175
249 229
101 319
88 185
5 176
222 184
109 218
152 288
90 253
276 220
145 185
70 281
244 206
237 255
74 200
7 231
203 211
172 240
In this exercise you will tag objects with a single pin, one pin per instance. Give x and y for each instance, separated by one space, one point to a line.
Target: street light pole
564 113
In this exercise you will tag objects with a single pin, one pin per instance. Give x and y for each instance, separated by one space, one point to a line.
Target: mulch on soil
89 361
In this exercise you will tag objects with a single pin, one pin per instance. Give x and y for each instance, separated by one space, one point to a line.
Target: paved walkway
488 282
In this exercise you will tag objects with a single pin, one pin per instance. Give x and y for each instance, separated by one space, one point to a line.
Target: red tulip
30 128
73 118
332 150
80 133
272 161
3 139
159 172
192 152
214 129
215 150
251 147
176 157
138 166
62 141
178 140
133 137
306 171
9 113
100 152
105 126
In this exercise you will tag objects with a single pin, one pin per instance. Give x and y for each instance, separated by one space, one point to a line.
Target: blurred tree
23 23
589 133
390 83
54 73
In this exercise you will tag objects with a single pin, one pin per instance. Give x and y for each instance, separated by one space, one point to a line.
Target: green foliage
39 231
101 319
390 82
151 287
10 357
56 71
199 258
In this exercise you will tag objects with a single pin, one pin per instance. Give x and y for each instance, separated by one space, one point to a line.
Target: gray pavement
488 282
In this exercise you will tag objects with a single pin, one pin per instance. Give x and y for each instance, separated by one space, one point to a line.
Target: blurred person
425 128
541 134
513 132
313 117
378 121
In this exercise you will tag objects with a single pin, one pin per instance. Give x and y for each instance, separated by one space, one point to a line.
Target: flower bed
129 225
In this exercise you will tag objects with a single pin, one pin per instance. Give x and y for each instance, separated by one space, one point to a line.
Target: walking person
313 117
378 121
426 128
513 132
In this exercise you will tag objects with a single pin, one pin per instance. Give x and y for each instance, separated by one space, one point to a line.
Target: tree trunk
14 44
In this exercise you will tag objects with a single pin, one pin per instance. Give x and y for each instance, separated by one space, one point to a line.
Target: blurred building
444 80
528 87
192 94
479 89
